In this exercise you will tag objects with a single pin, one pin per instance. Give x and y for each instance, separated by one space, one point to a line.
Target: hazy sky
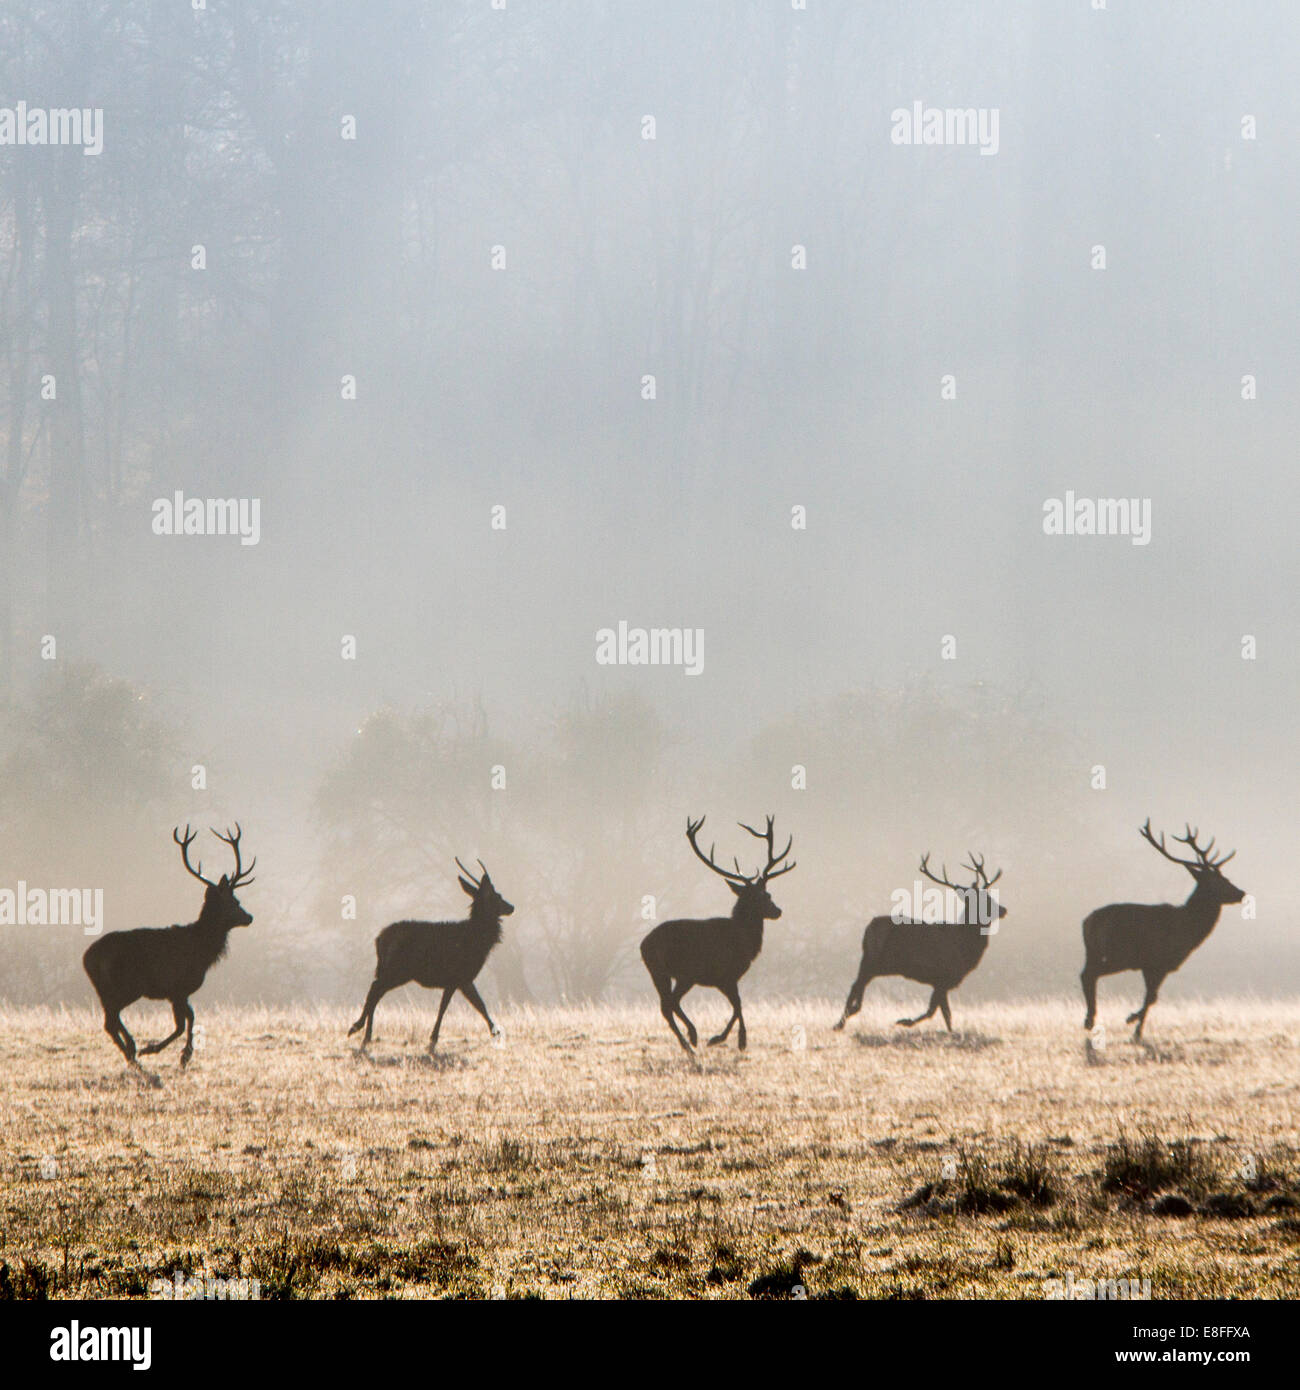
800 286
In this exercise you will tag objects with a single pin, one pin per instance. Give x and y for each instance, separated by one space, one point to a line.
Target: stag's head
752 897
978 904
220 905
487 901
1206 869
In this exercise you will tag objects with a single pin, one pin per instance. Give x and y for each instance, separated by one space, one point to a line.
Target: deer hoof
185 1058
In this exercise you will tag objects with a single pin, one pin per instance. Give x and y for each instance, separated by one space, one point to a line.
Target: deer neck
211 922
1201 912
979 936
213 931
487 923
749 921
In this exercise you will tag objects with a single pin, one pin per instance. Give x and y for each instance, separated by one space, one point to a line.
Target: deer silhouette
439 955
938 954
168 962
715 951
1155 938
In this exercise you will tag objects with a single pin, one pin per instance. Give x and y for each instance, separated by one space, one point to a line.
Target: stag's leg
668 1010
854 1002
179 1009
733 998
722 1037
1153 982
1088 979
679 992
947 1013
116 1030
188 1051
442 1009
377 991
929 1013
668 1006
476 999
669 998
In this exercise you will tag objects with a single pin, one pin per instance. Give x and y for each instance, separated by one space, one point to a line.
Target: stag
717 951
940 954
439 955
168 962
1155 938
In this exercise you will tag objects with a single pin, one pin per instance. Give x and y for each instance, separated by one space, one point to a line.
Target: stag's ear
467 886
225 881
735 887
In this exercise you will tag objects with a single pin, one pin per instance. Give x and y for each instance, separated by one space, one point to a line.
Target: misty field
583 1157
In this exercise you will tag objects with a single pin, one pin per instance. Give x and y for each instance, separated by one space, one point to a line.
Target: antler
769 870
469 877
976 866
945 881
241 875
190 837
692 830
1203 856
